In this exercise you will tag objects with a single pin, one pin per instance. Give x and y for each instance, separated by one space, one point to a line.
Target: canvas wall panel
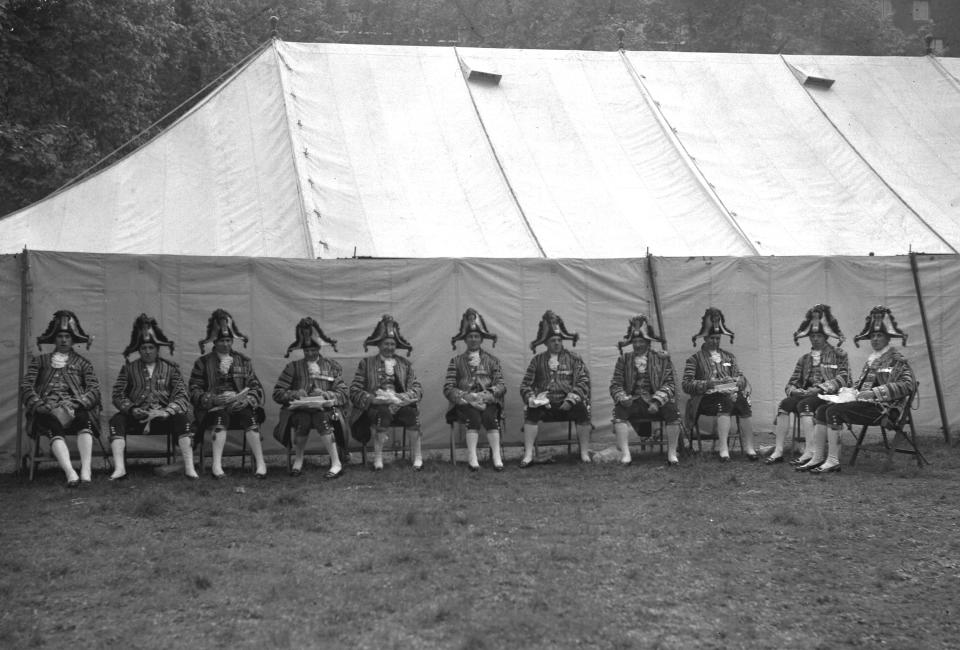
9 356
763 298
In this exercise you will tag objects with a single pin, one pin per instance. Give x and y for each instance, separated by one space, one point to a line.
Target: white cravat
473 358
59 359
389 365
553 363
226 360
313 369
150 368
815 357
640 363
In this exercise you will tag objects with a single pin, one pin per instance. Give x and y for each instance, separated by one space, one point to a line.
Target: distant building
941 18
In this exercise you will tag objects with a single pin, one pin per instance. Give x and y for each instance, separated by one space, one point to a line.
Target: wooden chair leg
107 458
453 457
33 456
856 448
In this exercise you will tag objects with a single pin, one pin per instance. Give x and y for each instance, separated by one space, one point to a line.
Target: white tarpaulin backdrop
331 151
763 298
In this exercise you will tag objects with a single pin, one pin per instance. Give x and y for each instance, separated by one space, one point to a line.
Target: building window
886 8
921 10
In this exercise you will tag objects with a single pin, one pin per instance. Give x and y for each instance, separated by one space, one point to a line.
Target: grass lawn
710 555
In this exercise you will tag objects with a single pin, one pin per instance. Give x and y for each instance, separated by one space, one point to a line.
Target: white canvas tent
330 151
715 163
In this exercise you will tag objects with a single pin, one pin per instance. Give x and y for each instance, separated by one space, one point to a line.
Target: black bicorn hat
146 330
712 322
552 325
221 325
819 320
639 326
64 320
309 334
472 321
880 319
388 328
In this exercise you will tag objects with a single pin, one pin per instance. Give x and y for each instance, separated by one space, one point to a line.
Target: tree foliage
81 79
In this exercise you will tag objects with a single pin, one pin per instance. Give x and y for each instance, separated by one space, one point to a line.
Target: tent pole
24 318
933 359
656 299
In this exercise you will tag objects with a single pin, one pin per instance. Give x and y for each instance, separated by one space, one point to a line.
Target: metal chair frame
35 458
457 426
899 428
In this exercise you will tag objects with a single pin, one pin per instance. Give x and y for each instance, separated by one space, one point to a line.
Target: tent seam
496 157
943 71
301 200
239 67
866 162
685 156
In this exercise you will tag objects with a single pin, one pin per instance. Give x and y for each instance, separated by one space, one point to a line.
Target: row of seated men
61 394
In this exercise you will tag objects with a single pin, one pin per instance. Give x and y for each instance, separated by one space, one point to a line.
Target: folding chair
795 425
338 437
169 452
458 431
259 416
37 455
648 435
402 448
698 435
571 426
903 429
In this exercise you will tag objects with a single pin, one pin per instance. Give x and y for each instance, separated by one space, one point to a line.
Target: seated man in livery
150 396
824 370
61 394
385 391
555 387
883 390
643 388
474 387
716 386
312 395
226 393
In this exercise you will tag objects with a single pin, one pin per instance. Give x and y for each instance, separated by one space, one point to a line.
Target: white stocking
781 431
58 447
583 435
256 448
493 438
118 445
723 434
833 448
186 450
299 447
85 447
416 447
529 439
673 437
219 442
331 446
472 436
622 433
379 437
819 443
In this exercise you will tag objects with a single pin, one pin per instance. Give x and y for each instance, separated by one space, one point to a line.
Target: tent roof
328 150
